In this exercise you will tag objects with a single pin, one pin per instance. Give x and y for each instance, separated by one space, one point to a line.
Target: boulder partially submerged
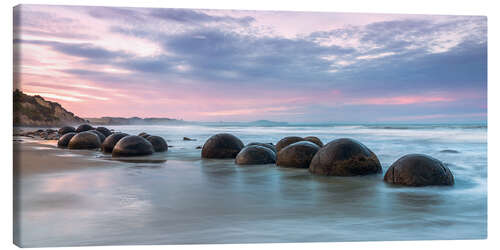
159 144
110 142
418 170
66 129
297 155
267 145
255 154
64 140
83 128
132 145
85 140
345 157
103 130
287 141
222 146
314 140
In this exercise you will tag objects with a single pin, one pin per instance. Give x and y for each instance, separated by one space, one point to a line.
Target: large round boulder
103 130
64 139
314 140
345 157
297 155
221 146
418 170
83 128
144 134
267 145
159 144
255 154
110 142
132 145
66 129
85 140
101 136
287 141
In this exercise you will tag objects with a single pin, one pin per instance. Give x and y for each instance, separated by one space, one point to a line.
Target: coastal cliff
34 111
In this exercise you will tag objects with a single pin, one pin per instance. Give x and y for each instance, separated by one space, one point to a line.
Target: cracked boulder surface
418 170
345 157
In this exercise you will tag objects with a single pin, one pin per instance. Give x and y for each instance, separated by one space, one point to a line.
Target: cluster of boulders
45 134
340 157
118 144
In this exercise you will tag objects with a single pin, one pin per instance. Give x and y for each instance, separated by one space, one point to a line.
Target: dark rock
110 142
199 147
418 170
50 131
345 157
159 144
188 139
85 140
314 140
84 127
101 136
103 130
287 141
66 129
64 140
221 146
267 145
449 151
255 155
143 134
132 146
297 155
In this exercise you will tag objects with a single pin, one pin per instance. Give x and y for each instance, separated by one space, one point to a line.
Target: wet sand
33 156
84 198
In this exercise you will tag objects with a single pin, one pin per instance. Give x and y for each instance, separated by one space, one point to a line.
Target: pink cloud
401 100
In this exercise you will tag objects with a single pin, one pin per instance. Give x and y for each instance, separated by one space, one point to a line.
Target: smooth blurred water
189 200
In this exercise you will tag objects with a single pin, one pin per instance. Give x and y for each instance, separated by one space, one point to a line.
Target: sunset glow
216 65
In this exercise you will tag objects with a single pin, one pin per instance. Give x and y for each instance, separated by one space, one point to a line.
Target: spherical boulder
345 157
267 145
255 154
64 139
159 144
287 141
132 145
221 146
418 170
103 130
110 142
297 155
83 128
143 134
84 140
314 140
66 129
101 136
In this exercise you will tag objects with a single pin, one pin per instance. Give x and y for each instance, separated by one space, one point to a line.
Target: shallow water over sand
189 200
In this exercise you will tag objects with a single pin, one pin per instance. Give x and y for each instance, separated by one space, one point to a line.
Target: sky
235 65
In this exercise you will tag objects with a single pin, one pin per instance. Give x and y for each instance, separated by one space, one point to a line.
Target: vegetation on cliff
36 111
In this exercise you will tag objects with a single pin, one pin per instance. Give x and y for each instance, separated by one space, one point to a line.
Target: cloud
376 66
196 17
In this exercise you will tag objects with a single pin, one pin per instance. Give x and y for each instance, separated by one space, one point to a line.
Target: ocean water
184 199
